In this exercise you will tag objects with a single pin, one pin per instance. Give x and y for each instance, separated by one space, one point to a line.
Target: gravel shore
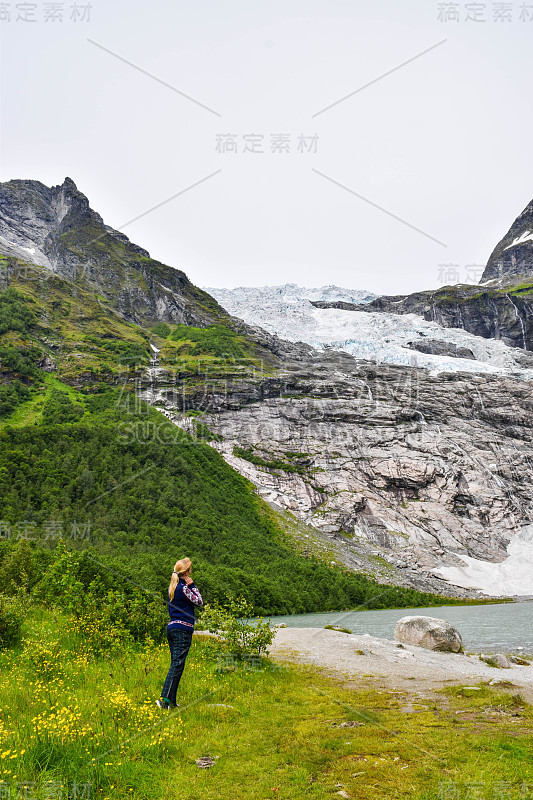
405 668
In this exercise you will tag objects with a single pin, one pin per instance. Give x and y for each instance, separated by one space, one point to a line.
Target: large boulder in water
428 632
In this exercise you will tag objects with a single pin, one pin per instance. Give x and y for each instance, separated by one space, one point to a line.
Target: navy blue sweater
181 607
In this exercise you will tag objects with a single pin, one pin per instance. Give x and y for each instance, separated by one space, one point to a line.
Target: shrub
11 618
17 570
60 585
44 657
11 396
162 329
239 636
14 315
59 409
103 631
215 340
20 361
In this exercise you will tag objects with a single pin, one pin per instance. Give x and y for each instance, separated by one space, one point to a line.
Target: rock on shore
428 632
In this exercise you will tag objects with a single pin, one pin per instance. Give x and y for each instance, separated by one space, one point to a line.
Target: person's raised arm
191 592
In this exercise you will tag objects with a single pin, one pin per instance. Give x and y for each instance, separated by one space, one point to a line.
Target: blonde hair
180 568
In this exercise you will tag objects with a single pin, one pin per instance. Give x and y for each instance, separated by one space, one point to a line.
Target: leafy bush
44 656
60 585
21 361
162 329
249 455
11 396
203 433
18 569
102 626
11 618
109 619
14 315
240 637
215 340
59 409
127 353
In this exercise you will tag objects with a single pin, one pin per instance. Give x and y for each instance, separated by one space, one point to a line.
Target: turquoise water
491 628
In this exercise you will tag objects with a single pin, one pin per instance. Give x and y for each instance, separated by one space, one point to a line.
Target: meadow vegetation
78 718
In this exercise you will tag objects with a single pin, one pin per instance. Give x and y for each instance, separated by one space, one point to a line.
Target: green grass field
69 720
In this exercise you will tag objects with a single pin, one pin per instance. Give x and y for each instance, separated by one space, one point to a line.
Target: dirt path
405 668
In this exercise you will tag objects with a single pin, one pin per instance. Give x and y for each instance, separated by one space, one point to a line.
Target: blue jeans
179 641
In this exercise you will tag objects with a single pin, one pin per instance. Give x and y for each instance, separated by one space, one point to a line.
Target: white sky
443 142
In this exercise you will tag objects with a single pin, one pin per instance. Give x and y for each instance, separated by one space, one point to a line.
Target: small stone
205 761
520 661
497 660
504 684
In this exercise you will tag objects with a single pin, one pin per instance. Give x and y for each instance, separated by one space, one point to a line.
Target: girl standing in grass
183 597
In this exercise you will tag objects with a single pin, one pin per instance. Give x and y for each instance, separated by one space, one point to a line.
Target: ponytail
180 567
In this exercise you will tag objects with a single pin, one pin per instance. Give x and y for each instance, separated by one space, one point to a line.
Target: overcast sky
425 166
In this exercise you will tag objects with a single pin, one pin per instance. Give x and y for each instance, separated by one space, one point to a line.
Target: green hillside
81 458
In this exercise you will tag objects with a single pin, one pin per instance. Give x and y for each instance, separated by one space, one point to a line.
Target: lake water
490 628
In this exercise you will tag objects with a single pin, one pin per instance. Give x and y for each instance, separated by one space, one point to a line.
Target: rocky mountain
397 472
55 227
512 257
383 436
502 313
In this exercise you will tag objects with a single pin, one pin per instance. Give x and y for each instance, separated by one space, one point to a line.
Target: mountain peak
56 228
513 255
69 185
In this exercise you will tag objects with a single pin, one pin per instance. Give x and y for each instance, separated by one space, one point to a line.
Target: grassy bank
68 718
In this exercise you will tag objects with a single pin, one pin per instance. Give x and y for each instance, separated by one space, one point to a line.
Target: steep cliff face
513 255
57 229
498 312
408 472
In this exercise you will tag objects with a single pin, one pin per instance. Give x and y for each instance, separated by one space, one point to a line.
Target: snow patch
527 236
514 576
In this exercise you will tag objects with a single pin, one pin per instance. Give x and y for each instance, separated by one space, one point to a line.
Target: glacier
288 312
